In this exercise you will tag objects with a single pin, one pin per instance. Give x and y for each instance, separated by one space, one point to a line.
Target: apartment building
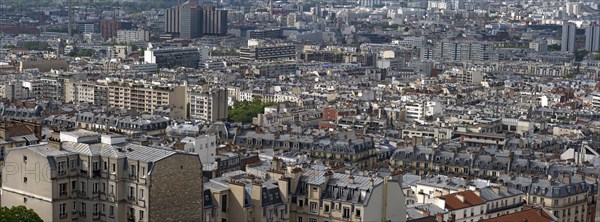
501 200
13 90
449 160
417 111
18 134
465 206
596 99
208 105
358 151
237 196
169 57
146 98
108 181
129 36
319 194
86 92
567 197
274 52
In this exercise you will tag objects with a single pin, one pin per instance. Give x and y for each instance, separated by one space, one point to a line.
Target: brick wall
176 189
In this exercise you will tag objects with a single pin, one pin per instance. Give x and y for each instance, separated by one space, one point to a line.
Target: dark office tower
568 37
214 22
172 19
190 21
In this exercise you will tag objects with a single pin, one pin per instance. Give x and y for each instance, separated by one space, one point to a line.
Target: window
312 220
131 191
111 210
357 213
141 193
132 171
83 210
112 189
105 165
346 212
73 164
83 187
313 207
62 168
24 158
74 206
63 210
95 188
96 165
224 203
299 219
141 214
300 203
24 179
113 167
326 208
62 189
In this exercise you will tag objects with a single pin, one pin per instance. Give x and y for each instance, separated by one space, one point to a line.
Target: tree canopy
18 213
244 111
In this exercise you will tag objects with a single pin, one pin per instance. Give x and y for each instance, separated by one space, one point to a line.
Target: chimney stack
460 197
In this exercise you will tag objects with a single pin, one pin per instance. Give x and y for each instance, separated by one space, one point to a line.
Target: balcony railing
498 209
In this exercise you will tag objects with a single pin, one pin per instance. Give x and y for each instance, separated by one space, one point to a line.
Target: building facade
210 105
568 37
104 182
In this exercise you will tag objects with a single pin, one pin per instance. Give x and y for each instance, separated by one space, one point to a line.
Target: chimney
351 179
460 197
439 217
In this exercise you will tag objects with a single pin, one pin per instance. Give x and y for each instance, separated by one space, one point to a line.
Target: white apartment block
210 105
204 145
128 36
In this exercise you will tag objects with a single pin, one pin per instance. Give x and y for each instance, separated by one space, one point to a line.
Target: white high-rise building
568 37
592 38
573 8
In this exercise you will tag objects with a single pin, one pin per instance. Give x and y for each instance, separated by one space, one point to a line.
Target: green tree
579 55
244 111
18 213
553 47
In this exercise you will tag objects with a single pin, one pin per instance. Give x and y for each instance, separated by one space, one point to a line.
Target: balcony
95 173
505 208
63 194
111 197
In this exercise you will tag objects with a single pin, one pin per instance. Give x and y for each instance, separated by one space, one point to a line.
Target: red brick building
109 28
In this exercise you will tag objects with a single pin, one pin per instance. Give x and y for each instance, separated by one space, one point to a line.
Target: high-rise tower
592 38
568 37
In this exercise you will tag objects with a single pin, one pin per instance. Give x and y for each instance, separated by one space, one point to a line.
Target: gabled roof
533 214
470 199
